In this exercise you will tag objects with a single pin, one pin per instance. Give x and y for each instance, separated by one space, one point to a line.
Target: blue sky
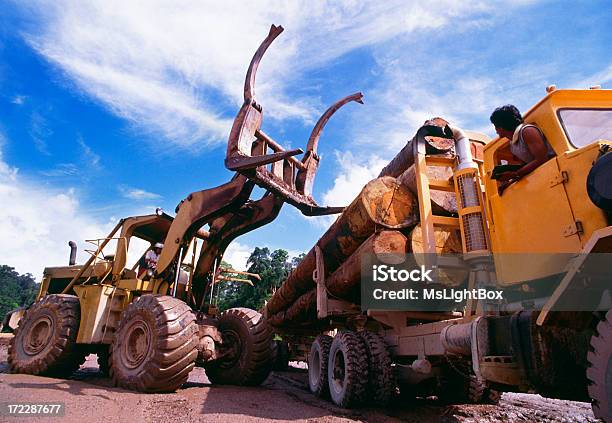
110 109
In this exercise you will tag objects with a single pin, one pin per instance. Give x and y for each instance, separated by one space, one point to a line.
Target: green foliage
273 267
15 290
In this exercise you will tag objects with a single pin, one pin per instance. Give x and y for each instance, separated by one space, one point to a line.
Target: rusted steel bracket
328 306
277 171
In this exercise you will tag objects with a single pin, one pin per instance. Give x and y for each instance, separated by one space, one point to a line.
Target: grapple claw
277 171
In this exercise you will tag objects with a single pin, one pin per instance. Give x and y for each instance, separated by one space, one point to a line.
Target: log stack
382 220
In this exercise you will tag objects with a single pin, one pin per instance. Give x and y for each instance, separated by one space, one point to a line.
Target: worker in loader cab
528 145
148 262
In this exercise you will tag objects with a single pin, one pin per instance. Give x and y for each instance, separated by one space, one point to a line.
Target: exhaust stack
73 252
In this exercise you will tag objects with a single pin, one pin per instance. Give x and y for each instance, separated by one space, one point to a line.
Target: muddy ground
88 398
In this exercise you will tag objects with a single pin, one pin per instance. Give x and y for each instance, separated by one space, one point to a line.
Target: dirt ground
283 397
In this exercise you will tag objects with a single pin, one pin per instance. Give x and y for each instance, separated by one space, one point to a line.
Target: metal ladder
430 221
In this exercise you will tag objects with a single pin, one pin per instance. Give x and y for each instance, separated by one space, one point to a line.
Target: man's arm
537 147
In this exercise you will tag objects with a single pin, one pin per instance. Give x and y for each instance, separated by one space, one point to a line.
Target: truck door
532 223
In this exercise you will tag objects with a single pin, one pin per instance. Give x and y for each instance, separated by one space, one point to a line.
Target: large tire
45 341
381 383
318 360
599 371
248 355
347 371
155 346
460 386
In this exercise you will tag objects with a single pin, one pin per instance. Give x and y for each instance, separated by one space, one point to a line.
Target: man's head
506 119
158 247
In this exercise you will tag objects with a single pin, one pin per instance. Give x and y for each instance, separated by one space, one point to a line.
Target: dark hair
507 117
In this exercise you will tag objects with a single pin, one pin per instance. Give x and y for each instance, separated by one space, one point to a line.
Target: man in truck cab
528 146
148 262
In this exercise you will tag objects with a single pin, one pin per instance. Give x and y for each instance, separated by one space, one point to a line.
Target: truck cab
548 212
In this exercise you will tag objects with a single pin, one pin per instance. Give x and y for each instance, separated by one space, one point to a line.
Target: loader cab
112 258
142 232
549 211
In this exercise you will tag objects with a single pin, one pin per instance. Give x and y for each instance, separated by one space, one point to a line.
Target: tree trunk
389 246
383 203
448 241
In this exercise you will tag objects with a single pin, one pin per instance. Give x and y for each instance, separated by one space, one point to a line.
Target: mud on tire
318 360
599 371
347 371
45 341
155 346
247 342
381 383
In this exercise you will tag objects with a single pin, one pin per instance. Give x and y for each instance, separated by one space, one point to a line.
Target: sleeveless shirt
519 148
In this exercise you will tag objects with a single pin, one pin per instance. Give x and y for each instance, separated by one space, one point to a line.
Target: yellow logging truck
545 242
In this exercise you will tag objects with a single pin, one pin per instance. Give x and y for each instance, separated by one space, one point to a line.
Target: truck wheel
45 341
347 371
599 371
247 355
465 388
155 346
318 359
381 383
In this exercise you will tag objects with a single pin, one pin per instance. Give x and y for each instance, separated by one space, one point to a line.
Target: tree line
15 290
273 267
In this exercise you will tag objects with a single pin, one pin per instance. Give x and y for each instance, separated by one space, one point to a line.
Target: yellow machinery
546 242
549 236
150 330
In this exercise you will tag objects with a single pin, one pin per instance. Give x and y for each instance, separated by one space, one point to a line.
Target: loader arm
227 208
224 230
198 208
248 145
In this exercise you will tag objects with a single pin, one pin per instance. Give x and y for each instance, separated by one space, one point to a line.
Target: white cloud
62 169
174 70
600 78
91 159
353 174
237 255
36 223
137 193
19 100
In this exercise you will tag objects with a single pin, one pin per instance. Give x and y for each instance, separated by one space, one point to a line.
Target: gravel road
283 397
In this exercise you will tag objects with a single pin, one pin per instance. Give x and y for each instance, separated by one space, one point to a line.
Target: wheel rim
137 345
232 349
39 335
338 372
315 368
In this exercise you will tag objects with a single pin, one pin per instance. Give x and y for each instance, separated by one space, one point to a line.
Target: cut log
442 202
389 247
433 145
448 241
383 203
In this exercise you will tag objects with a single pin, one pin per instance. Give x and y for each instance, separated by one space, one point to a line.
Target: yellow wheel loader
150 329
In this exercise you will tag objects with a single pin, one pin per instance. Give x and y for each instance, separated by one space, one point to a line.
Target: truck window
585 126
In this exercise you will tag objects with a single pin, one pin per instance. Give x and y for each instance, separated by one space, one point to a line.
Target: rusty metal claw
304 180
277 171
249 82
